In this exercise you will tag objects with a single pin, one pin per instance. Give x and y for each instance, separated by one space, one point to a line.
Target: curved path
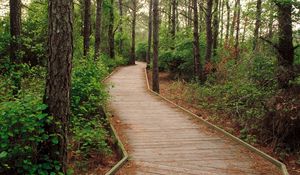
164 140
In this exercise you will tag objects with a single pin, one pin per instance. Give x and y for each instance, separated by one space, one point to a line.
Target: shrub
22 131
141 51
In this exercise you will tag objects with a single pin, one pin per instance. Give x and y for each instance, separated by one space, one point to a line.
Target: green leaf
3 154
54 140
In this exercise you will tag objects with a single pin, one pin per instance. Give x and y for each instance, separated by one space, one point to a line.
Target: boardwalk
164 140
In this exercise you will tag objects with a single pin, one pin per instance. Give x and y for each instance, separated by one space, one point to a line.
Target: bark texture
209 35
216 28
87 27
59 77
197 66
15 29
149 32
111 35
133 25
155 76
98 28
257 23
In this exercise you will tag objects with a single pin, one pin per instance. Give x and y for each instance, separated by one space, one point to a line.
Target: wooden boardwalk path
164 140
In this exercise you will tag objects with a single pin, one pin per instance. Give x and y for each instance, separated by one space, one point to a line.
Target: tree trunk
233 21
121 26
237 36
257 23
285 45
197 66
222 21
216 28
155 77
15 29
111 37
98 28
132 58
209 35
173 28
58 84
87 27
228 22
149 33
270 24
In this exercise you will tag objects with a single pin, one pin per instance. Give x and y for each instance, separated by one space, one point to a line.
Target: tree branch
270 42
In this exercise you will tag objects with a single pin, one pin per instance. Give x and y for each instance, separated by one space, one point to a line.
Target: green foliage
88 93
141 51
89 137
22 126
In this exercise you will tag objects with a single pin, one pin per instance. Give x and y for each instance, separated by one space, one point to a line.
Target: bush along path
164 140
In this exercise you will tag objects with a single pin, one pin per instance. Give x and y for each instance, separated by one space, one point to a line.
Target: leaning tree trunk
87 27
216 28
155 76
57 97
209 36
111 37
15 29
149 33
132 58
285 45
98 28
257 23
197 66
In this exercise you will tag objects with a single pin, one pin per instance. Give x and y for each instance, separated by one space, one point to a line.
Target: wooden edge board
267 157
125 156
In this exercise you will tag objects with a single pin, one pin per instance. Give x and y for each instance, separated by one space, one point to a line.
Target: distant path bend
163 140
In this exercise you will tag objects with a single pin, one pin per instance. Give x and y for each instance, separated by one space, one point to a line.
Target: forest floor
175 94
95 163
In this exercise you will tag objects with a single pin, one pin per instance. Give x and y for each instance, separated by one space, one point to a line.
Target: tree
98 28
173 19
87 27
15 29
155 76
237 35
285 45
197 65
58 84
134 11
121 26
227 21
209 34
150 21
111 35
257 23
216 28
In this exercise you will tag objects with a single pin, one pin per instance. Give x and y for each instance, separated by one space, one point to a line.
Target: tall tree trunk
15 32
257 23
134 11
173 28
197 66
237 36
233 27
209 35
227 21
111 36
98 28
87 27
245 29
155 76
285 45
121 26
222 21
58 84
216 28
270 24
149 33
15 29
